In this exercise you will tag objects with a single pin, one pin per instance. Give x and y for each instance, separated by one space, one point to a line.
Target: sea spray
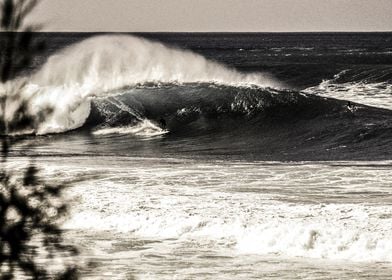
103 63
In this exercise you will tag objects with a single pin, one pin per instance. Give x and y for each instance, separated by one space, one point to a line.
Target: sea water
273 160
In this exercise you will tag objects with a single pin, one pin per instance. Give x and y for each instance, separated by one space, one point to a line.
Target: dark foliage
29 206
17 48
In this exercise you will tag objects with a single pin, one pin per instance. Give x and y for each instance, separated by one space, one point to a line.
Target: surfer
350 107
162 123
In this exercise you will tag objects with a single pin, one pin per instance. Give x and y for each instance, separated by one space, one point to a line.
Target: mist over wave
106 62
100 65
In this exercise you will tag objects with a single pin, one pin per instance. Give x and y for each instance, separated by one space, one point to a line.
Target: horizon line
68 31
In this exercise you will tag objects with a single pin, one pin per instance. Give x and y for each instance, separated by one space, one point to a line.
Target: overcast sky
215 15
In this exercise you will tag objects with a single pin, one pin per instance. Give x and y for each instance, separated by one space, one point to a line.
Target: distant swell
97 66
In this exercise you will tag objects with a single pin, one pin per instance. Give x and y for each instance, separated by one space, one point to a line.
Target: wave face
264 123
99 65
202 107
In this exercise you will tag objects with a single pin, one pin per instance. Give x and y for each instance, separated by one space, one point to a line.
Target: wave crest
107 62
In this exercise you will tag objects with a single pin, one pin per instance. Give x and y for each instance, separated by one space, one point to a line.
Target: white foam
102 64
144 129
371 94
325 235
226 206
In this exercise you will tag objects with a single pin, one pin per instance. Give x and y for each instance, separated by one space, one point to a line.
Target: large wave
265 123
100 65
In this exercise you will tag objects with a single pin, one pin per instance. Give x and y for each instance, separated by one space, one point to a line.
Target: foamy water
143 212
143 129
376 94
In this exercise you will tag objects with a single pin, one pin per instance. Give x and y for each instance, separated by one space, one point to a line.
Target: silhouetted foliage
18 48
29 206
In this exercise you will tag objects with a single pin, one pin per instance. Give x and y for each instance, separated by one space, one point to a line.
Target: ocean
218 155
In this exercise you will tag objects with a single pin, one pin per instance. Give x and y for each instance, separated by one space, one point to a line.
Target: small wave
374 94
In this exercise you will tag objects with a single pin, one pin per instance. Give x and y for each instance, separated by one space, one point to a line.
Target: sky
214 15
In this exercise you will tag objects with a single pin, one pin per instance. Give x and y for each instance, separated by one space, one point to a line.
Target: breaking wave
372 87
101 65
126 85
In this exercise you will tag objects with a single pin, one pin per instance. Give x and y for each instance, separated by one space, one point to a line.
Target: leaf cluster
18 43
30 208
